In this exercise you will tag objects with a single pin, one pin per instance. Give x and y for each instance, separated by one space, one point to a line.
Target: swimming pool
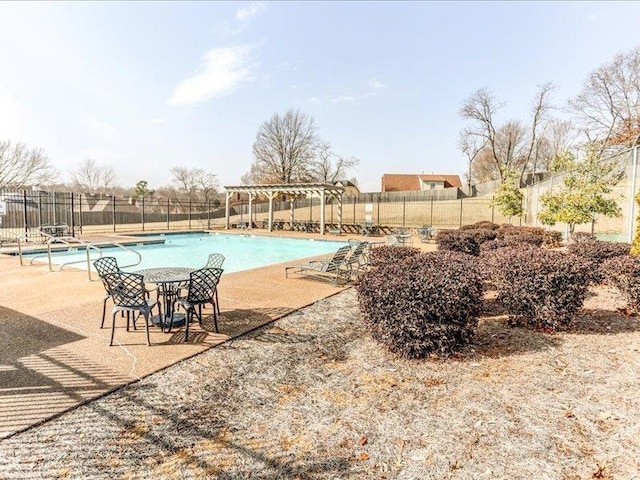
242 252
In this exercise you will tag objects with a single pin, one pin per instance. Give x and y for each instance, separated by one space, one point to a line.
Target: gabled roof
408 181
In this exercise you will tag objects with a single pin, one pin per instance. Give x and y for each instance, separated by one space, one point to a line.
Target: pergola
322 190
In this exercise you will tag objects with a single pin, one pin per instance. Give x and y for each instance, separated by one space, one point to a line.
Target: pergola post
291 212
322 212
340 212
250 210
270 211
226 210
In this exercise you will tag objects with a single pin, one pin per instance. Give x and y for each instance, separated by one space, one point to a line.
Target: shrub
582 237
524 240
508 230
391 254
540 289
551 239
480 235
485 225
423 305
623 272
457 241
595 252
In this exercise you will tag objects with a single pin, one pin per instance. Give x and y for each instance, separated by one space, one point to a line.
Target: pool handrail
92 245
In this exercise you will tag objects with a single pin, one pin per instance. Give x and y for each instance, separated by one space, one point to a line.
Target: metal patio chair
215 260
105 266
129 295
203 284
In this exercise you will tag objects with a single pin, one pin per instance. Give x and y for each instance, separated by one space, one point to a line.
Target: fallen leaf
363 441
569 415
363 456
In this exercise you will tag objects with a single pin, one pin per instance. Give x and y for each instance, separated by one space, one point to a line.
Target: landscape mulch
313 396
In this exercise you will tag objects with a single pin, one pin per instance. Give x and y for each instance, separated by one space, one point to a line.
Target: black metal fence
24 211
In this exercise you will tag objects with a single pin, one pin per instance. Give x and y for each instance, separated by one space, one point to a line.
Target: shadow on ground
39 375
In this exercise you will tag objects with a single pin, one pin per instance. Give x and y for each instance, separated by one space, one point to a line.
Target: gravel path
312 396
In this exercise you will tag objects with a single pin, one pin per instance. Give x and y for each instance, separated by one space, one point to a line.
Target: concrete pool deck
54 356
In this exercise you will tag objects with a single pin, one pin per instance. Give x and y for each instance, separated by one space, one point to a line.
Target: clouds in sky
222 70
342 98
11 116
250 10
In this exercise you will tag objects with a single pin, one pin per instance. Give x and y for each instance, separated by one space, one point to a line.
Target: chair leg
146 325
217 305
113 327
215 319
104 311
187 320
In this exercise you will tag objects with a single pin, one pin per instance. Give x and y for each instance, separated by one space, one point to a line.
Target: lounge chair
336 267
357 262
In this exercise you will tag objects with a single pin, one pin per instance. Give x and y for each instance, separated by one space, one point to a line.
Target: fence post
113 211
404 210
378 222
209 215
73 223
80 212
310 209
168 208
460 211
492 209
354 210
143 213
190 214
24 211
431 221
634 176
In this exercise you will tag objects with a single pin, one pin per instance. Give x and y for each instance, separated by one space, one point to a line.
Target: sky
144 87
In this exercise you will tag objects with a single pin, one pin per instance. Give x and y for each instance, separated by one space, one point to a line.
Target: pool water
242 252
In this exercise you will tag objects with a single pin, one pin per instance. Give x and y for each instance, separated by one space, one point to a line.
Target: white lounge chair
335 267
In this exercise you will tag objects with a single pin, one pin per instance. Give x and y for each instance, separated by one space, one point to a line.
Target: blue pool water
242 252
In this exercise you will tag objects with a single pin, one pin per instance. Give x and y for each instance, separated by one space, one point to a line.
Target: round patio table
169 281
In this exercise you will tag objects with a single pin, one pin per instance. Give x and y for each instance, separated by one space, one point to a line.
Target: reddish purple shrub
623 272
457 241
427 304
540 289
391 254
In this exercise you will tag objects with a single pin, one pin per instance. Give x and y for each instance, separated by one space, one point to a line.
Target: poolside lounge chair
357 262
203 284
336 267
129 295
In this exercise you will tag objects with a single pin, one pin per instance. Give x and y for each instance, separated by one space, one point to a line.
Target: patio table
169 281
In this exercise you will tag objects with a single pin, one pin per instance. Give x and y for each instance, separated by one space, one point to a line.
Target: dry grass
312 396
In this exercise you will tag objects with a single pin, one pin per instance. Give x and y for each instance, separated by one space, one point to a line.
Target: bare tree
89 177
21 166
284 149
512 145
483 167
327 166
608 107
471 146
195 184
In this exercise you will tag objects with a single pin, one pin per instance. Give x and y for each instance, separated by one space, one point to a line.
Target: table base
179 320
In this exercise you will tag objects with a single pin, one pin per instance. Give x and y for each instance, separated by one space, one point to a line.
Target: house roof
406 181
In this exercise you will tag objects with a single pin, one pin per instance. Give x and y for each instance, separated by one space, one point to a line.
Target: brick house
400 182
